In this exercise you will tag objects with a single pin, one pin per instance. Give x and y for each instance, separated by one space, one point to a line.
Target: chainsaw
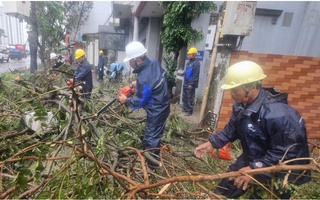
128 91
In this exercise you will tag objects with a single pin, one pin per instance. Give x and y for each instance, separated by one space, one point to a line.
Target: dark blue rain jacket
151 95
267 128
83 73
101 62
191 73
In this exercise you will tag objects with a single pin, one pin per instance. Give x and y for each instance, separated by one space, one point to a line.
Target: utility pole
212 97
235 22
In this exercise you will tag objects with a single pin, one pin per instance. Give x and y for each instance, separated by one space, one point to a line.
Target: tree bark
33 38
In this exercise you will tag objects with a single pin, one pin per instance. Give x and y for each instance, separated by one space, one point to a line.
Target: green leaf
178 31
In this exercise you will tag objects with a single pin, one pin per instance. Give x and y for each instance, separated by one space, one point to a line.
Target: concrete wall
92 53
299 76
153 38
14 29
300 38
99 15
202 23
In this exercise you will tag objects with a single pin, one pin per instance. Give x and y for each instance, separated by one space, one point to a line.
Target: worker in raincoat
268 128
151 94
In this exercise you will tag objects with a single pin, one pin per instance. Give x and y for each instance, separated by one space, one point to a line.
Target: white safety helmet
134 50
52 55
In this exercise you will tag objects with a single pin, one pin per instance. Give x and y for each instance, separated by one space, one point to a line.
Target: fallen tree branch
12 135
200 178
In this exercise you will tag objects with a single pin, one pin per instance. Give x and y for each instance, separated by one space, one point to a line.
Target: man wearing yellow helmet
191 80
83 73
100 66
268 128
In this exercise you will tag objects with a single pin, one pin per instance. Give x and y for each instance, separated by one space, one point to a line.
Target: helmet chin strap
135 63
245 99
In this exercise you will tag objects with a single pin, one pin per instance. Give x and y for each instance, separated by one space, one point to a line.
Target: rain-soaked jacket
151 95
267 128
83 73
191 73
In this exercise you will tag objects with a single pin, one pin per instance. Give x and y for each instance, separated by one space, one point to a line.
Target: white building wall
99 15
202 23
152 35
308 41
300 38
14 29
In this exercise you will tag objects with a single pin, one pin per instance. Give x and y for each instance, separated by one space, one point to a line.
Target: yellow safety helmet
101 52
192 50
242 73
79 53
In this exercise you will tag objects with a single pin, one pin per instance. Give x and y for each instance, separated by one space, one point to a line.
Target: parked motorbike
114 72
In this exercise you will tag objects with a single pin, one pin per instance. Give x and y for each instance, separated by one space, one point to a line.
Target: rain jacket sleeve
151 87
226 135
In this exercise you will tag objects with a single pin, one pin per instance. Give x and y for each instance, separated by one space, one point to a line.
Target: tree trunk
33 38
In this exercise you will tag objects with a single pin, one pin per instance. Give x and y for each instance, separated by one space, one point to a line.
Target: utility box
210 37
18 9
238 18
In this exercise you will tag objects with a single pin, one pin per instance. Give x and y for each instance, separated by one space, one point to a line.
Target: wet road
14 64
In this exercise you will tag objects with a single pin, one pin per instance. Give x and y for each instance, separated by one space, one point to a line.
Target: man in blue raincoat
191 80
151 94
269 129
100 66
83 73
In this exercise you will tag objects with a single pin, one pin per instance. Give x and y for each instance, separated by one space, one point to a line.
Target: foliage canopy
177 31
54 19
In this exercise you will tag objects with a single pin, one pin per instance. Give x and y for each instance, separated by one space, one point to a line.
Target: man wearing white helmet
53 56
151 94
268 128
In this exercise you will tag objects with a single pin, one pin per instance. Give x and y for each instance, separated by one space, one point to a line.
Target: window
287 19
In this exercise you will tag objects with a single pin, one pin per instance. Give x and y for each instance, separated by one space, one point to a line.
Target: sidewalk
192 119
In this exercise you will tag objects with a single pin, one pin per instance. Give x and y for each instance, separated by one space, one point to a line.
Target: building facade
287 28
279 27
13 15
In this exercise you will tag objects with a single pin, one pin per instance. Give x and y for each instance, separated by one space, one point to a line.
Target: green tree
177 31
77 12
50 22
